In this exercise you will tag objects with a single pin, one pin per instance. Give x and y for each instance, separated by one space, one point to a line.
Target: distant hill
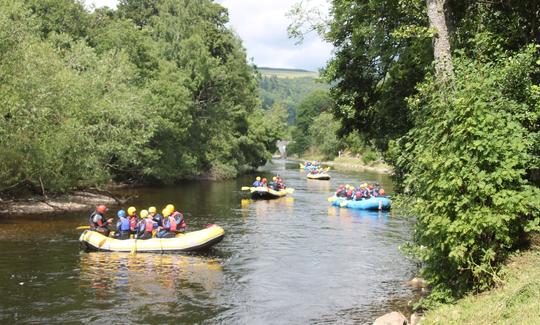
287 73
287 87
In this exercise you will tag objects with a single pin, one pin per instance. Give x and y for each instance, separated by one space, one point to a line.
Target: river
294 260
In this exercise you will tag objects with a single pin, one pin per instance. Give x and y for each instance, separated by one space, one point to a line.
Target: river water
294 260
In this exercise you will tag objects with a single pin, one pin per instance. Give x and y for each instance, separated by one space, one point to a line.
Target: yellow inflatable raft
320 176
188 242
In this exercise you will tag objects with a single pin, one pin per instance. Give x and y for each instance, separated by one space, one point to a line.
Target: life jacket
158 219
132 222
123 224
172 224
100 220
256 184
149 225
358 195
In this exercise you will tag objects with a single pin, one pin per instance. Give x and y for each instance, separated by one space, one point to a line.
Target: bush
466 161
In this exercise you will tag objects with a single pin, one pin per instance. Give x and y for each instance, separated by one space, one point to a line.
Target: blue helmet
121 214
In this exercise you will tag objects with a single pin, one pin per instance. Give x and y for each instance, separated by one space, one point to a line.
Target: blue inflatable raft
373 203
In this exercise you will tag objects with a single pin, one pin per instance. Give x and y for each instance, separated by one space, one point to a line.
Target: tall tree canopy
154 91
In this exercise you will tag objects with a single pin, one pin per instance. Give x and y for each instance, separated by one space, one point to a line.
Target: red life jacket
149 225
132 223
172 222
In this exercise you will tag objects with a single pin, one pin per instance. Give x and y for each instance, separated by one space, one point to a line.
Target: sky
262 26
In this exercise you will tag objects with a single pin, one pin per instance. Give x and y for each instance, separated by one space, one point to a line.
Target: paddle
343 204
82 227
331 199
246 188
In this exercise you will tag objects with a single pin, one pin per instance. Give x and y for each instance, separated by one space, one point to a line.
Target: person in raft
132 217
145 226
123 229
257 182
178 217
98 222
264 182
156 217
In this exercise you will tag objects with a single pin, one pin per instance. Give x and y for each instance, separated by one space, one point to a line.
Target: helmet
101 208
121 213
165 212
144 213
274 178
381 191
258 178
152 210
370 186
364 185
131 211
170 207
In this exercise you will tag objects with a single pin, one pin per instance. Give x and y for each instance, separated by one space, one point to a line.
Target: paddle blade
331 199
82 227
289 190
343 204
245 188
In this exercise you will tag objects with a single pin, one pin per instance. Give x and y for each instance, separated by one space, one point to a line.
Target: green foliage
311 107
466 162
323 135
89 97
288 91
382 50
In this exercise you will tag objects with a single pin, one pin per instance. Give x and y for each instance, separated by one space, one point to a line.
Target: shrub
465 162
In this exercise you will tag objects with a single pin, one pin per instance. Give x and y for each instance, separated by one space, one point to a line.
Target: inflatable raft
266 193
188 242
310 167
319 176
373 203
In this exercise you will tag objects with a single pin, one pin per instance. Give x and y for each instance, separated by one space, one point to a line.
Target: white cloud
262 26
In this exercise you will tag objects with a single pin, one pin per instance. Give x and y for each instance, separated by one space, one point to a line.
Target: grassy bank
515 301
350 163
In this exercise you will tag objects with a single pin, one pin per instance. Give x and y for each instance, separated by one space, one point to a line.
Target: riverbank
351 163
515 301
77 201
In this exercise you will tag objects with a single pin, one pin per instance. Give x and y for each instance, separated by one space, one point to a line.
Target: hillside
287 73
287 87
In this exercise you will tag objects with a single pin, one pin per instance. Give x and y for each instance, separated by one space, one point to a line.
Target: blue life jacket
256 184
123 224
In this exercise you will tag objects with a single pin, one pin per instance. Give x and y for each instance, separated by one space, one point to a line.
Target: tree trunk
441 41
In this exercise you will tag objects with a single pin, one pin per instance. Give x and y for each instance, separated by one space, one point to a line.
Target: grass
516 301
346 163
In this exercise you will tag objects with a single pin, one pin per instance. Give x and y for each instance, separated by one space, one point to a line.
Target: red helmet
370 187
101 208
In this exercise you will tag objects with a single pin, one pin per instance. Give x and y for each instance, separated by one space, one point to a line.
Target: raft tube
266 193
373 203
320 176
188 242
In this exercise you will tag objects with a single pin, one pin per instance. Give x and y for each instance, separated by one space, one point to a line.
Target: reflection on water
146 273
292 260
